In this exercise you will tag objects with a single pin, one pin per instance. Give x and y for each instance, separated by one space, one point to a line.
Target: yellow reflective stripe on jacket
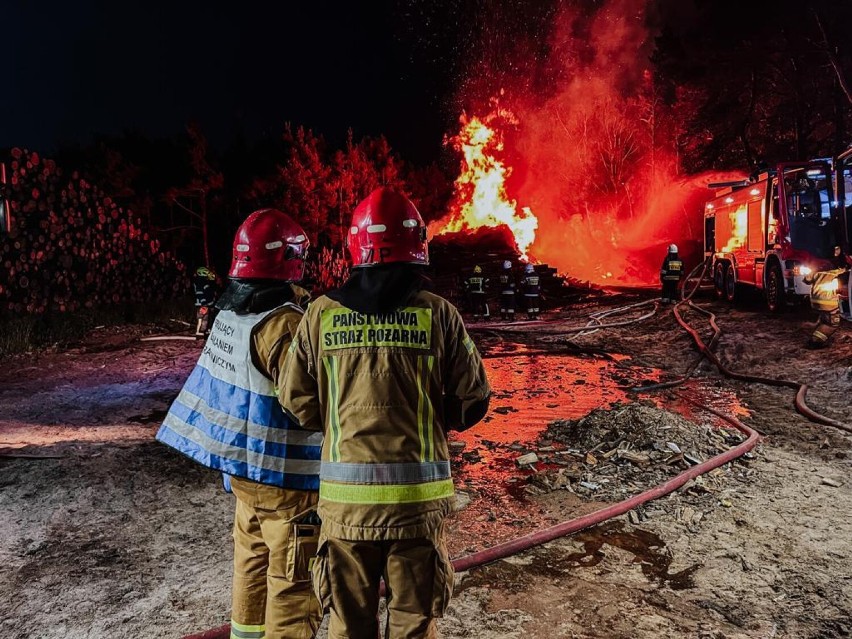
246 631
386 493
468 344
333 417
425 421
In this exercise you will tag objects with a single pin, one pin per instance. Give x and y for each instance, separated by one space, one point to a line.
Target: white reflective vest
227 416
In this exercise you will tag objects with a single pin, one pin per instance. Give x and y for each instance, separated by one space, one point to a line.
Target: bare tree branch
831 52
175 201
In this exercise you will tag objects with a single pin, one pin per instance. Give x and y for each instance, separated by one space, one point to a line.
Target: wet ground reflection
531 390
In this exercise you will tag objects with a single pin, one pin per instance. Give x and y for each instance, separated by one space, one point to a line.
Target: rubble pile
611 454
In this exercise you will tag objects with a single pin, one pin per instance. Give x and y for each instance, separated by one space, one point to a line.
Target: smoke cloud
595 150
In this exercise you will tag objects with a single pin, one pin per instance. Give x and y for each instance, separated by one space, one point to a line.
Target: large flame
480 198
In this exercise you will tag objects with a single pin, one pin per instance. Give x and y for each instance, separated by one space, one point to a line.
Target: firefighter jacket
532 285
476 284
672 268
385 387
205 291
507 284
227 416
824 296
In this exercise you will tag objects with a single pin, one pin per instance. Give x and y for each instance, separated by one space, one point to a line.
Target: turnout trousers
479 305
269 598
418 579
669 293
829 322
507 305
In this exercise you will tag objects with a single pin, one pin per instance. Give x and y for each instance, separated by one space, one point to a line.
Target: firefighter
227 418
507 292
670 274
476 287
205 287
825 300
532 291
386 369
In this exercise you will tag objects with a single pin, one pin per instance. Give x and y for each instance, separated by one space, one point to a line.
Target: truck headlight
801 269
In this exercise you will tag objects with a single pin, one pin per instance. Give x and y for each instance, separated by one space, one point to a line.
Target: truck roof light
729 200
754 192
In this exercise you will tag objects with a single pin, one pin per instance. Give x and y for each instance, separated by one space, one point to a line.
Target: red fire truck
771 232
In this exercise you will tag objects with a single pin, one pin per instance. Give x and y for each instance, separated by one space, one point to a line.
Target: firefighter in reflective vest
825 300
670 273
507 292
532 291
477 293
386 369
227 417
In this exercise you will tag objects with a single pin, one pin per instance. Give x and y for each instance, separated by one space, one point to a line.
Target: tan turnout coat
384 388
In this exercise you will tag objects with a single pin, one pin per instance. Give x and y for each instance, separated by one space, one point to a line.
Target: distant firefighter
476 287
206 288
507 292
670 274
532 291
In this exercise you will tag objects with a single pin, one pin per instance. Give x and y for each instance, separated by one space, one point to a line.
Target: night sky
392 67
78 68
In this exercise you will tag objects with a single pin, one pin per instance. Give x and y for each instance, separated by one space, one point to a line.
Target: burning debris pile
480 199
73 246
613 453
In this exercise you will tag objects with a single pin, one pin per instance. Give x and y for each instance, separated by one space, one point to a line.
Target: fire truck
770 232
843 202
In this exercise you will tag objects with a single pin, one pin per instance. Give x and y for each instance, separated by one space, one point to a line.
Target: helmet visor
297 251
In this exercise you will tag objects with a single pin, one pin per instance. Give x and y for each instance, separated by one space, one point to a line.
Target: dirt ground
109 534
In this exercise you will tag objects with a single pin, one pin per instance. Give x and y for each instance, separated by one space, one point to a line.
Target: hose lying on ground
706 350
570 526
593 325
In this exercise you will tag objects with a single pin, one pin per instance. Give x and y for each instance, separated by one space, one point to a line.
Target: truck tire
730 283
719 280
775 297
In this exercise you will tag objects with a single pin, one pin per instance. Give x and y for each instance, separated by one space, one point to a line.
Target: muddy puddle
531 389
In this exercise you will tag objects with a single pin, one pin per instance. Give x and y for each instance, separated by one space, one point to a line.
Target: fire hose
525 542
706 351
570 526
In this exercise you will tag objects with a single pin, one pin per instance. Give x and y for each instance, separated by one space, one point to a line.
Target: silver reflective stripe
405 473
295 436
266 462
247 634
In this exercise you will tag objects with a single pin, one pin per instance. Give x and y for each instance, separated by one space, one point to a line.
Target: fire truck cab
843 189
771 232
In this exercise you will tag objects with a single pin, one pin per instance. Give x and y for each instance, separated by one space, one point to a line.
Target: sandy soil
120 537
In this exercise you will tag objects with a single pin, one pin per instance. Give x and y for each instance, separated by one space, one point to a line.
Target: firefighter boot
827 326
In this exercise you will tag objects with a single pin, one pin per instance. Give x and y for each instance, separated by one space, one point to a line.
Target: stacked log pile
72 246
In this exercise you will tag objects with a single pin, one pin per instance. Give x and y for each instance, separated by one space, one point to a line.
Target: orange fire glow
480 198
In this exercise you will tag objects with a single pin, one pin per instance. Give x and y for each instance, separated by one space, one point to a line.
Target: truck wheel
730 283
719 280
775 298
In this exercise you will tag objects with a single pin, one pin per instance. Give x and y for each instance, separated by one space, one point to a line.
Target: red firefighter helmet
269 245
387 228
